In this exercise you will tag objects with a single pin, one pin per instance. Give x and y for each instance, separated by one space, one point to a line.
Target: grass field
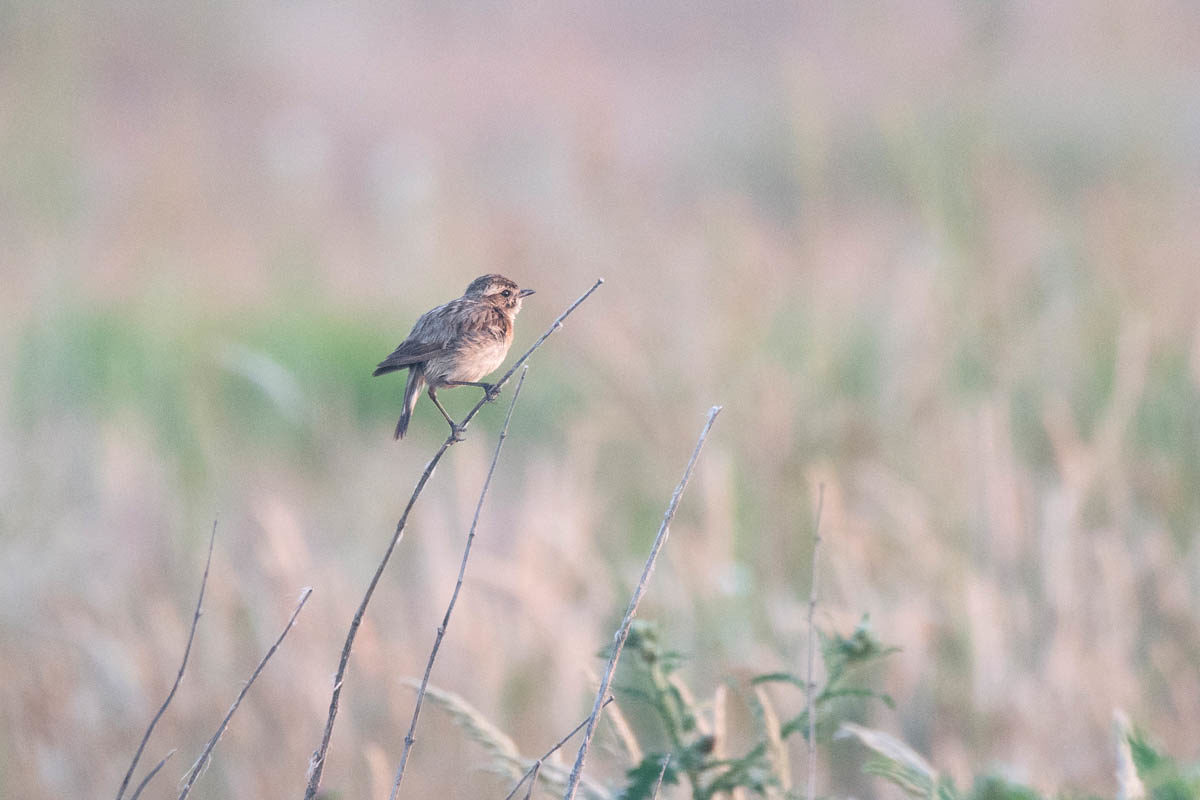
943 260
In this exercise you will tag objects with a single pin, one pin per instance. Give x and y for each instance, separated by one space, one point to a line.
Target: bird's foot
456 432
490 391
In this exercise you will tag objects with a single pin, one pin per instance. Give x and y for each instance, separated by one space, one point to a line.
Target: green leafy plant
692 752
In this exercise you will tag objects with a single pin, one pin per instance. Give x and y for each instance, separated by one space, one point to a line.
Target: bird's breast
473 358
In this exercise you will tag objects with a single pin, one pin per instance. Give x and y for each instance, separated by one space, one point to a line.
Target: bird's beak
525 293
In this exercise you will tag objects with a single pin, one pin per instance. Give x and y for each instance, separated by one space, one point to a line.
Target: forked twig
316 765
198 767
532 773
810 686
178 677
537 768
640 590
410 737
149 775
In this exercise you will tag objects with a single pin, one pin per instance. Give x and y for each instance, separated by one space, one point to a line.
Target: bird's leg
456 430
489 389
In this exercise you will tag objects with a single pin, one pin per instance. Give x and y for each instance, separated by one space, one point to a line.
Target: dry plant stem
198 767
809 685
661 774
537 767
638 592
178 677
317 764
149 775
410 737
532 773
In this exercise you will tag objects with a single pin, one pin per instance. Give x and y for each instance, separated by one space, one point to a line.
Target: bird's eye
507 293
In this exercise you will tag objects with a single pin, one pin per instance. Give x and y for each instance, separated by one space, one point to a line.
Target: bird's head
499 291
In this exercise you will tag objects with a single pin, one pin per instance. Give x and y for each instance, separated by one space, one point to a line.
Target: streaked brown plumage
457 344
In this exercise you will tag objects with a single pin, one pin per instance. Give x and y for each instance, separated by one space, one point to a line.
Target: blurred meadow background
943 258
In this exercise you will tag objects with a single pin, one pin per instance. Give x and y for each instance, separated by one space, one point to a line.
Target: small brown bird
456 344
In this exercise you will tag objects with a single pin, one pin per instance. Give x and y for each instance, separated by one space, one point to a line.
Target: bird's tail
412 391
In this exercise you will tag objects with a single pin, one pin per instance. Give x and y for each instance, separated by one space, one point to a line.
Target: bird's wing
432 333
411 351
446 322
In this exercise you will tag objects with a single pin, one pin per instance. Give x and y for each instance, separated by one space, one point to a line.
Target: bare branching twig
410 737
317 763
178 677
537 767
638 592
150 775
810 686
198 767
532 773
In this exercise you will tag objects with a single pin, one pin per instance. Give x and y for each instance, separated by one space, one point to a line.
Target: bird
457 344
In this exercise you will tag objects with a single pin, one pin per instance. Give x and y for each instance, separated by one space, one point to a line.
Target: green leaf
1162 776
778 677
751 771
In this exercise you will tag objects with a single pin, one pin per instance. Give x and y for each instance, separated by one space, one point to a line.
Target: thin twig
198 767
532 772
810 686
640 590
409 738
662 773
316 766
146 780
537 768
179 676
